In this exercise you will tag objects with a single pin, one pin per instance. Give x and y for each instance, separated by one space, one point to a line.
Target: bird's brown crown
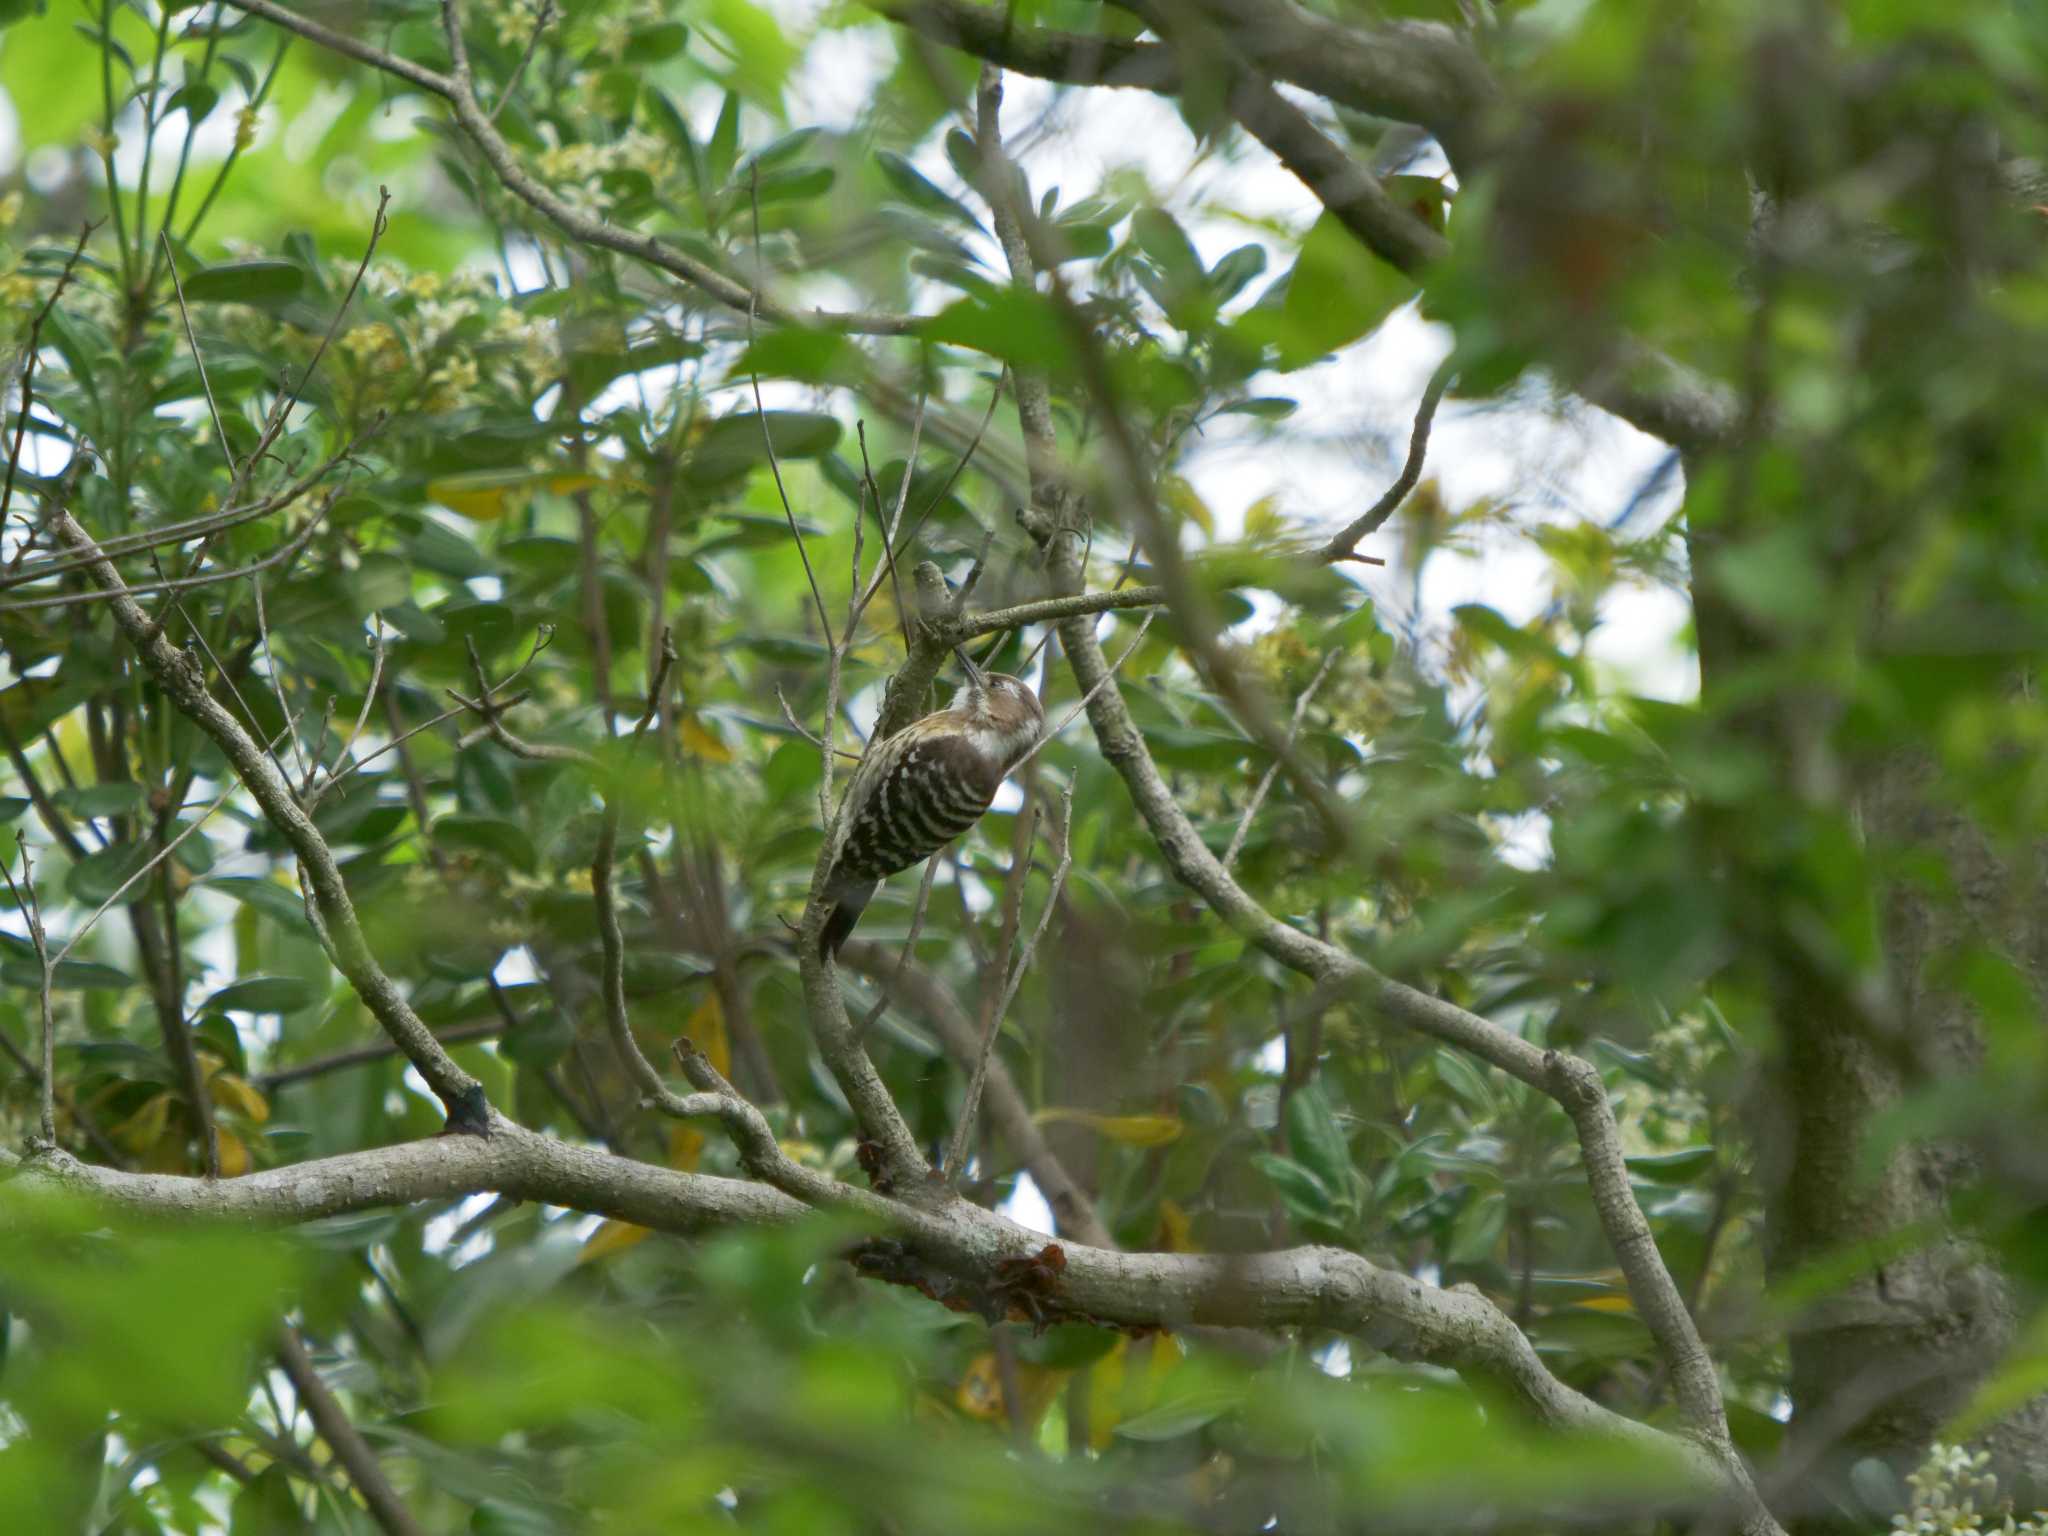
1002 714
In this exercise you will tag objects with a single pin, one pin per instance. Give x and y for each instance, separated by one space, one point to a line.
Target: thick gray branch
1299 1287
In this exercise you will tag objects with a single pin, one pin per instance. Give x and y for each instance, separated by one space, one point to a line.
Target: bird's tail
849 900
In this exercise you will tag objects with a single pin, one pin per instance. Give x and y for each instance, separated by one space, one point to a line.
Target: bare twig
1108 677
541 23
956 1156
122 545
32 912
1251 807
885 986
277 680
28 376
155 859
1343 545
286 551
902 547
327 892
199 362
1050 608
363 1055
807 733
343 1438
362 716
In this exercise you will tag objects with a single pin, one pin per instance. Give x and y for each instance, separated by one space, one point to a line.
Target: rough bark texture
1902 1348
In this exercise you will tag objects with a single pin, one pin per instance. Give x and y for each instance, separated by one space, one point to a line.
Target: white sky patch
1334 1358
440 1230
1027 1206
516 968
1272 1057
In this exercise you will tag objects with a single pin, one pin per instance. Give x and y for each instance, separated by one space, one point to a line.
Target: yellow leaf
1263 522
1131 1130
980 1393
478 503
239 1094
685 1146
1615 1303
145 1127
612 1237
491 493
1176 1230
699 742
1182 498
234 1154
1128 1381
706 1029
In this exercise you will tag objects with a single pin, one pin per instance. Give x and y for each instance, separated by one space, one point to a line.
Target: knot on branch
1018 1290
1574 1081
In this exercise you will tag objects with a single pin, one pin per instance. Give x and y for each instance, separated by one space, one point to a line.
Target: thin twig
28 376
956 1157
344 1439
887 985
276 679
363 716
1265 784
1342 546
540 25
1049 608
155 859
32 910
192 341
286 551
966 457
768 438
806 732
1088 698
122 545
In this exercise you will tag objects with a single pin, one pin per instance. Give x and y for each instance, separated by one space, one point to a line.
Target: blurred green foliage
535 457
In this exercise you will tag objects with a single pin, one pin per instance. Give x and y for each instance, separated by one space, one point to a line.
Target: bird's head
1001 706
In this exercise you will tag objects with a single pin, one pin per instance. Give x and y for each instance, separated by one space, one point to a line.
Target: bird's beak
975 675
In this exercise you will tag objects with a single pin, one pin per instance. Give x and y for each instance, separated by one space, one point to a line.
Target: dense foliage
430 463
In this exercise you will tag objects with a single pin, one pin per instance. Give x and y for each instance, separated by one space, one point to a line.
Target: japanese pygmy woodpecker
924 786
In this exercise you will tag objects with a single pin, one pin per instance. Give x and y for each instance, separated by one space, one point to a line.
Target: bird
921 788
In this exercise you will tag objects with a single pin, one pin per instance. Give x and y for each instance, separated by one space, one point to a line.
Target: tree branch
180 676
343 1438
1300 1287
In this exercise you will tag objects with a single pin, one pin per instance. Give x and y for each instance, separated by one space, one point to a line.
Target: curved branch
181 677
456 90
1574 1084
1299 1287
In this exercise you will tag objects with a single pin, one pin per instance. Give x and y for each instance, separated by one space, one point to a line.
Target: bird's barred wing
916 792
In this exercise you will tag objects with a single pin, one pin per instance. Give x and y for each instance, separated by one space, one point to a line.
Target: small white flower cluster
1955 1495
576 170
512 351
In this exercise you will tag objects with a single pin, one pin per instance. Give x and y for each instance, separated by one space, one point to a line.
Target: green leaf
115 799
912 185
1304 1194
264 994
487 835
267 1506
1021 328
730 446
96 877
1685 1166
663 40
1229 276
1171 1421
279 903
263 284
793 184
1315 1138
1336 293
